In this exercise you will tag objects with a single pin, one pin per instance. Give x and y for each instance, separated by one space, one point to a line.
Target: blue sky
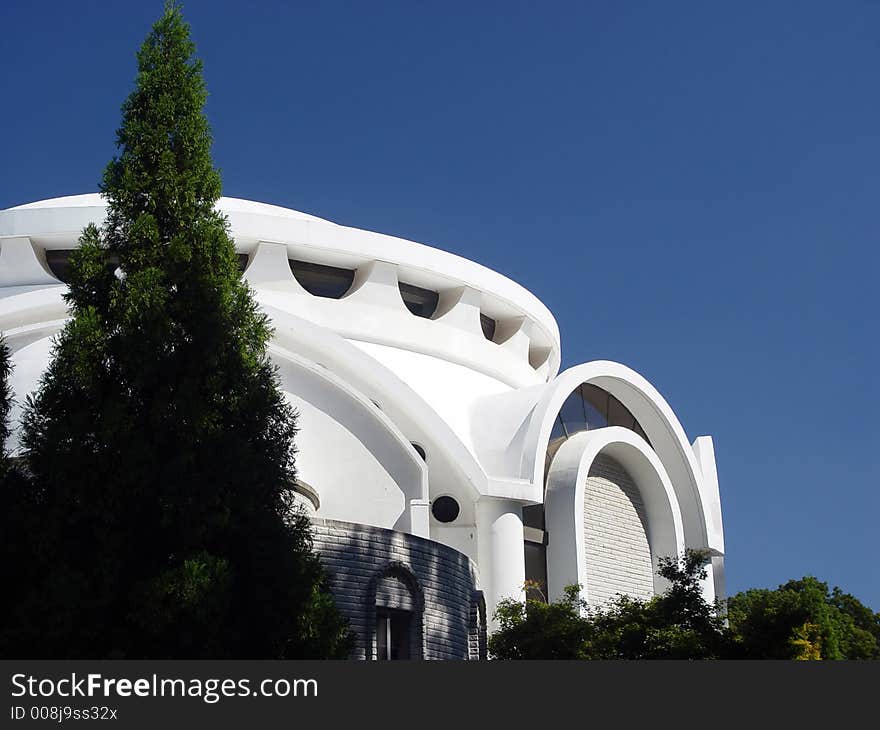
692 188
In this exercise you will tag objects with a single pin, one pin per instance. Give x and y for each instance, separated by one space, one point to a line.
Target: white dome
227 205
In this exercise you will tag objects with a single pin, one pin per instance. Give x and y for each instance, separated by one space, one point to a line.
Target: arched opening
617 551
321 280
420 450
696 501
586 408
611 513
488 325
397 605
421 302
58 261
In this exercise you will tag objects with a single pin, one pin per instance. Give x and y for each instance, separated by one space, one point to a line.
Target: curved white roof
58 222
227 205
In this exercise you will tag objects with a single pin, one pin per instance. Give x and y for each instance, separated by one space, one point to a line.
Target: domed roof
57 223
227 205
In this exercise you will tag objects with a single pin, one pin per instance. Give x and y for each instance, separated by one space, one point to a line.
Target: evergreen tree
5 402
159 435
20 524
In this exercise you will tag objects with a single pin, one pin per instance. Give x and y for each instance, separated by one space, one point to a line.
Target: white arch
564 505
657 419
404 406
43 313
372 428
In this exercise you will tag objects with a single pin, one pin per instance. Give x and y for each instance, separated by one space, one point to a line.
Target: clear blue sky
692 188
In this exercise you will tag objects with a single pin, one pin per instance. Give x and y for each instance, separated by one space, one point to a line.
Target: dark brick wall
369 563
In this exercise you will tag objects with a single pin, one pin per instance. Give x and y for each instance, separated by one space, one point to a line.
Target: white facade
474 385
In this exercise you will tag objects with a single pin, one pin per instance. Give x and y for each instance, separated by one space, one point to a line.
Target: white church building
444 458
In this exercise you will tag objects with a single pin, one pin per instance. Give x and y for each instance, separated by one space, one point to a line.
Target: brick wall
618 558
365 563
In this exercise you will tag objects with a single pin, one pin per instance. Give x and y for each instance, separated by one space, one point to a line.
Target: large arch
665 433
348 436
404 406
31 313
564 505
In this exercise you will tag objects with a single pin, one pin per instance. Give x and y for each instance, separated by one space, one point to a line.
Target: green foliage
806 642
535 629
161 448
678 624
20 516
5 400
803 619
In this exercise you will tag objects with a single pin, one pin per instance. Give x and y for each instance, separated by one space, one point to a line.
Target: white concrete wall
28 364
352 485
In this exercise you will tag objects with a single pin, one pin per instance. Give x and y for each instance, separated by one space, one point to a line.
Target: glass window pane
488 324
533 516
558 431
445 509
572 414
598 399
421 302
382 626
588 407
321 280
619 415
393 632
536 570
595 406
59 264
400 633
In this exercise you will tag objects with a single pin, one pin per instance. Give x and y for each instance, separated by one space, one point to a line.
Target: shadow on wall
405 597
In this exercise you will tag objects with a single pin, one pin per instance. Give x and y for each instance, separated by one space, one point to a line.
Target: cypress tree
20 527
158 434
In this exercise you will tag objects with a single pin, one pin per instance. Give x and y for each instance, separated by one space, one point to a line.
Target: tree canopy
801 619
678 624
159 441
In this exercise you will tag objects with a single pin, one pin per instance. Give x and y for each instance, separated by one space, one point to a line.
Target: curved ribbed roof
57 222
227 205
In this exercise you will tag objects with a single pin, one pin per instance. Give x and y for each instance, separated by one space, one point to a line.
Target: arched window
589 407
398 604
321 280
421 302
489 325
58 261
